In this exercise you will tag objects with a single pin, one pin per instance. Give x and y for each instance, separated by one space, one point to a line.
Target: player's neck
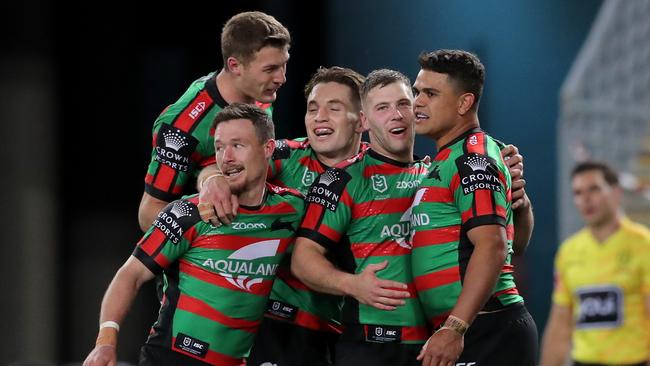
604 230
334 158
227 86
254 196
463 125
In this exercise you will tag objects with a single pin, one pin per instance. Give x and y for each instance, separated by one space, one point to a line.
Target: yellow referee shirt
605 284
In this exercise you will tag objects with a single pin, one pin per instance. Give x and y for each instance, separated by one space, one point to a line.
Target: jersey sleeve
329 208
172 157
561 293
281 153
480 190
169 237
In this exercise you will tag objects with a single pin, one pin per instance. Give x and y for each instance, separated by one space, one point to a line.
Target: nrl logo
308 177
379 183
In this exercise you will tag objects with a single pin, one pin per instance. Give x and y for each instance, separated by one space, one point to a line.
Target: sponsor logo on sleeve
281 151
191 345
174 148
478 172
600 307
328 189
177 217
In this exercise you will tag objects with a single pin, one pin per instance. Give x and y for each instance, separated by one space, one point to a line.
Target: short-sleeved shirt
468 186
217 279
359 211
606 284
294 164
183 140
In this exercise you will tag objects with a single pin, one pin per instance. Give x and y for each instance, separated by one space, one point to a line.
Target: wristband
456 324
217 174
109 324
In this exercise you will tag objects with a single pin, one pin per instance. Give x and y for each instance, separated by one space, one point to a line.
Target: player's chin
267 97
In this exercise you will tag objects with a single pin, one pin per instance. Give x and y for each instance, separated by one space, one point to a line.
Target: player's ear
465 103
364 122
234 65
269 147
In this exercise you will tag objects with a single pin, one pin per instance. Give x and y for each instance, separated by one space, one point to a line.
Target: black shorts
358 352
161 356
504 338
286 344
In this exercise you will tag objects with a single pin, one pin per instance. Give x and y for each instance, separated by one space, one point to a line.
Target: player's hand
103 355
443 348
514 161
368 289
217 204
520 199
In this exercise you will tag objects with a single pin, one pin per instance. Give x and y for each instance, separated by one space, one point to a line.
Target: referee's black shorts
506 338
285 344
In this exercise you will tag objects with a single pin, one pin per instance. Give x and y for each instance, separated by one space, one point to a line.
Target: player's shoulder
182 213
284 148
168 115
353 163
285 192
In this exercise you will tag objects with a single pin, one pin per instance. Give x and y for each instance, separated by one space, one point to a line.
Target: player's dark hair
381 78
340 75
264 129
464 69
248 32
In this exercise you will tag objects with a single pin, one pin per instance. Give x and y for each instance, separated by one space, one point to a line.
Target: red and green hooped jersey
468 186
183 140
360 212
295 165
217 279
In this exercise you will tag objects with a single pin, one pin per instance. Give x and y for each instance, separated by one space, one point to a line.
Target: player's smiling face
332 121
388 115
242 158
265 73
436 104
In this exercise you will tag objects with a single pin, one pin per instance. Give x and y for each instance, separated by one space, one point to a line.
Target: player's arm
149 208
556 342
524 222
116 303
521 206
490 247
310 265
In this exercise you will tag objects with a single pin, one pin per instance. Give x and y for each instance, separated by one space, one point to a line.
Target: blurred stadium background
81 84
